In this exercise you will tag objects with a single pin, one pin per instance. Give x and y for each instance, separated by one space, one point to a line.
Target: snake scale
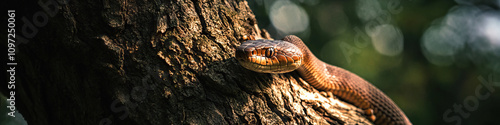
291 54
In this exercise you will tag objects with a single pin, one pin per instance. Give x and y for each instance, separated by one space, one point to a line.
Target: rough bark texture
159 62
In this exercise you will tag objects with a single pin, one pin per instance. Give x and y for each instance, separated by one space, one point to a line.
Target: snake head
269 56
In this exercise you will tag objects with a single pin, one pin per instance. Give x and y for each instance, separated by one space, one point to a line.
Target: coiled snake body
290 53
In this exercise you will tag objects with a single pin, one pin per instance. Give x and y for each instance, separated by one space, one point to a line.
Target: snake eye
269 52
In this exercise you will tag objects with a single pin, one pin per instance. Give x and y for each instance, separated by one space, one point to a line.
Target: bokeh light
368 9
488 31
387 39
465 30
288 18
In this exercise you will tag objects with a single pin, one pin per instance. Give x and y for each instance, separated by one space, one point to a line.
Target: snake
291 54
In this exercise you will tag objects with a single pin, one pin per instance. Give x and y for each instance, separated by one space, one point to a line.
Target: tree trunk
158 62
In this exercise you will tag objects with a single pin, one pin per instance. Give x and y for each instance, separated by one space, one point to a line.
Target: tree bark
159 62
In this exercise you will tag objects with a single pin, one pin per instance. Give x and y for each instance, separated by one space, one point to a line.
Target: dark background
431 55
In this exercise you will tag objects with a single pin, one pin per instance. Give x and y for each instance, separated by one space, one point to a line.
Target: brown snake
290 53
